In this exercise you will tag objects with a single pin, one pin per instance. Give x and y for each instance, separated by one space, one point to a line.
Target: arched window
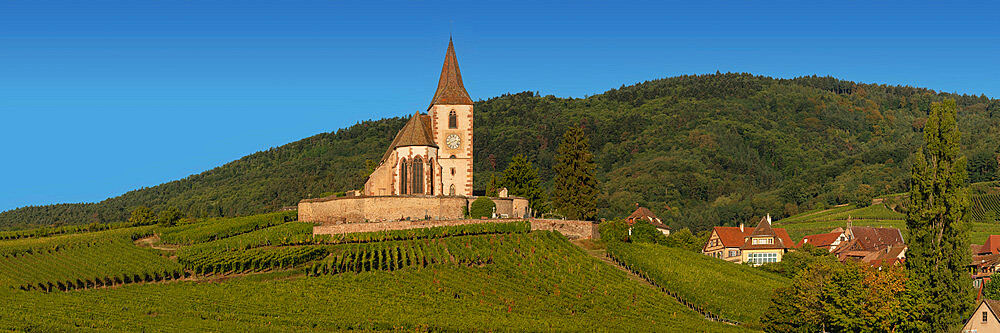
451 190
430 177
403 168
417 176
453 119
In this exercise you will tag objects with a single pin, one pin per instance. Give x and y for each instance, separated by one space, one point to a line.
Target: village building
828 241
875 246
762 244
644 214
871 245
985 260
984 319
426 172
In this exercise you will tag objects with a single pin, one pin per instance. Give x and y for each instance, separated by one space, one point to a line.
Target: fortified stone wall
570 228
380 208
398 208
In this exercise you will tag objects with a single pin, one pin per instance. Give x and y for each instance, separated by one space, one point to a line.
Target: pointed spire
450 90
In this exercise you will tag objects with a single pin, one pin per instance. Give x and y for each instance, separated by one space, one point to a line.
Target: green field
733 291
494 277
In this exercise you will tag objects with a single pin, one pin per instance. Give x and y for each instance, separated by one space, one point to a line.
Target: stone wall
569 228
362 209
381 208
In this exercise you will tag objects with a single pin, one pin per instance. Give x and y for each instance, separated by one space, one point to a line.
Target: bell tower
451 121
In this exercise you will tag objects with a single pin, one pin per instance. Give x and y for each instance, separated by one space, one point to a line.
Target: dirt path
601 254
152 241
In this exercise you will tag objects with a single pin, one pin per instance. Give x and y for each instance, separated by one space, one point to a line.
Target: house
985 260
759 245
984 319
828 241
876 246
864 244
644 214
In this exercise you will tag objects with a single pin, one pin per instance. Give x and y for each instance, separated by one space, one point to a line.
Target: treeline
698 150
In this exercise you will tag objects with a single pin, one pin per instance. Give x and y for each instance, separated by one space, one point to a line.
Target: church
432 154
426 172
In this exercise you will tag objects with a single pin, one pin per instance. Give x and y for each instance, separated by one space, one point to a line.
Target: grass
535 281
733 291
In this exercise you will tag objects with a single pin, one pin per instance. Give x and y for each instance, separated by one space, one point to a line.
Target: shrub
614 231
169 216
482 208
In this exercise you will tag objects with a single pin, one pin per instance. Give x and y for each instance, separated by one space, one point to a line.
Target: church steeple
450 90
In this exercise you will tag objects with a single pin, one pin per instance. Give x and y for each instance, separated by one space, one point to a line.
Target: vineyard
493 281
78 261
985 208
218 228
254 260
55 243
731 291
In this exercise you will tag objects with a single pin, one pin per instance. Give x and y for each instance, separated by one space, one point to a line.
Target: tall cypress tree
938 251
575 191
521 179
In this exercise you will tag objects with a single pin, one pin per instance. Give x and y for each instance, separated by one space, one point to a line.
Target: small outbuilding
644 214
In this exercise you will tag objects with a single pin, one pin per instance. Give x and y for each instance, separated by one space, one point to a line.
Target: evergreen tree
492 187
521 179
575 192
938 242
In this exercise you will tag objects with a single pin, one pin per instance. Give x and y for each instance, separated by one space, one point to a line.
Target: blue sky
101 97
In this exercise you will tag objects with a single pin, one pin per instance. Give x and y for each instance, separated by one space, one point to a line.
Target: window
984 316
418 176
451 190
733 253
452 119
452 172
758 241
403 176
430 177
760 258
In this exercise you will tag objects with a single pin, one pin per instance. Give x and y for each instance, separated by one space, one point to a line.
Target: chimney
741 226
768 218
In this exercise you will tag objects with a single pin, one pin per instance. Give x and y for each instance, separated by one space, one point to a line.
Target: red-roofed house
828 241
985 260
644 214
759 245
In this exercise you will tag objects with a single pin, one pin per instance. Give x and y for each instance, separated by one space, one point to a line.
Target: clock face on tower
453 141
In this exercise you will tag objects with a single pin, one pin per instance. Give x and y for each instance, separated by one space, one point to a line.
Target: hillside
736 292
258 273
697 150
877 215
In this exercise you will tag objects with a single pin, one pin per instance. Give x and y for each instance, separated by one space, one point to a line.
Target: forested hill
698 150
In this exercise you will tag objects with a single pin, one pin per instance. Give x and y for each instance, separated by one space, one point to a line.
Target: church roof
450 90
416 132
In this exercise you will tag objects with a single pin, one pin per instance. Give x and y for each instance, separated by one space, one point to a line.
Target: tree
684 239
169 216
492 187
645 232
991 289
938 250
575 192
482 207
142 215
864 195
521 179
